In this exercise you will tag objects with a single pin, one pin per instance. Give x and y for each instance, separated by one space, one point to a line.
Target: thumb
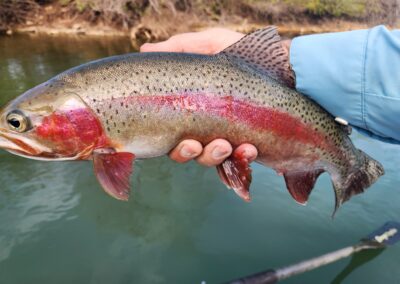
164 46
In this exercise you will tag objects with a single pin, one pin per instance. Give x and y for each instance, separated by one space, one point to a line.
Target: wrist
286 47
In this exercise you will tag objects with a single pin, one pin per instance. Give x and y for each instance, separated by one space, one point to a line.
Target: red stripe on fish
264 118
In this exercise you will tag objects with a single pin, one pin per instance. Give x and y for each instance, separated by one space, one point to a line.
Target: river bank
148 21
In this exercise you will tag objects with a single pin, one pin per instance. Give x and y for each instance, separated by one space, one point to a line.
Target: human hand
206 42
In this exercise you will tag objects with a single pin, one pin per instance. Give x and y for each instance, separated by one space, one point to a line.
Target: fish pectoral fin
300 184
113 171
263 51
235 173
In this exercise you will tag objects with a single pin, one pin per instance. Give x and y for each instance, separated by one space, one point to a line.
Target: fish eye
17 121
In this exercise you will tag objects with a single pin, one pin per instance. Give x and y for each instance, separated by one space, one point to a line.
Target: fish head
50 122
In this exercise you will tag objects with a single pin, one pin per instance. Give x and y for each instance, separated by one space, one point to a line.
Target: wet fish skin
147 103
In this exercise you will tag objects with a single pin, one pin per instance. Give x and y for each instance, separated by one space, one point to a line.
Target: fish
115 110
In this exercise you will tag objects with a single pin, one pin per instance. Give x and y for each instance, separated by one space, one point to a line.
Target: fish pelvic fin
263 51
235 173
357 179
300 184
113 171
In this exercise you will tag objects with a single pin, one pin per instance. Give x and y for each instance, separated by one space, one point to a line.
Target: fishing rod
385 236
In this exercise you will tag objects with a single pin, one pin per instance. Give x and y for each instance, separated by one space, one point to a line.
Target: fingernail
245 154
187 152
219 152
250 155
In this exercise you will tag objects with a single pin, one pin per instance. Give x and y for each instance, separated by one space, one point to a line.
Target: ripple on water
33 193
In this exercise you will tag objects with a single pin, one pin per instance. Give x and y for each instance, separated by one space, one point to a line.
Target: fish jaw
20 144
29 148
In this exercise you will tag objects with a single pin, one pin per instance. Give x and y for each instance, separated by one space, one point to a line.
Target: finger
186 151
215 153
163 46
248 151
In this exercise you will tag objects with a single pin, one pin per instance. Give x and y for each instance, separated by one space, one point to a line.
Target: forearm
353 75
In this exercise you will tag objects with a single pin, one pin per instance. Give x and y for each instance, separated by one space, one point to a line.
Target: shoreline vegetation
154 20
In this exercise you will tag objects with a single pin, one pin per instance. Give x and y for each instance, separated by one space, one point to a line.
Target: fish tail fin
356 179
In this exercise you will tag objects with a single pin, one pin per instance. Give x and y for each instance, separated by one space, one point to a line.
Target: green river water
181 224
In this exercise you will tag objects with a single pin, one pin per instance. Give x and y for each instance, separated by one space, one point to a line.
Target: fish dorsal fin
113 171
264 51
300 184
235 173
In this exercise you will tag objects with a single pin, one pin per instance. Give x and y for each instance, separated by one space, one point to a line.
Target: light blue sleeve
354 75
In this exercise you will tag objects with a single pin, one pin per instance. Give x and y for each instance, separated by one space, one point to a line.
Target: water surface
181 225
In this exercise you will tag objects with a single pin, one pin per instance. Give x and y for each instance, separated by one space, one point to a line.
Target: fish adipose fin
264 51
235 173
357 179
113 171
300 184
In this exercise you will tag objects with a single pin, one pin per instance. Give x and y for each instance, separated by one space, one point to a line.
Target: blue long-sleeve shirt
354 75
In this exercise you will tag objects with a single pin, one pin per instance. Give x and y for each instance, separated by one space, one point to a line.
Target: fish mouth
20 145
28 148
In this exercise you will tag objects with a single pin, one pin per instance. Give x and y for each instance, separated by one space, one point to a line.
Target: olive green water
181 225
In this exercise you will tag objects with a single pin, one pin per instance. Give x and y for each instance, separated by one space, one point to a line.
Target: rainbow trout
116 109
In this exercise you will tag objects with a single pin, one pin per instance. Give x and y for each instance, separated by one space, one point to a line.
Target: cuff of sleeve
329 69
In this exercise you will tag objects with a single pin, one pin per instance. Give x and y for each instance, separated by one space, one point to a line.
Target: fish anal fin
235 173
263 50
113 171
300 184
